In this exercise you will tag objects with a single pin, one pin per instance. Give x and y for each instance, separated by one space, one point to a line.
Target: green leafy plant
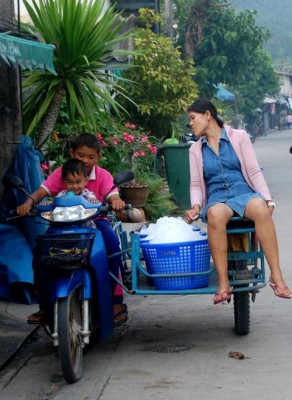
85 35
164 85
160 202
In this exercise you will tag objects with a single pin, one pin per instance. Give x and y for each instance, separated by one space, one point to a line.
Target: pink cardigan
251 171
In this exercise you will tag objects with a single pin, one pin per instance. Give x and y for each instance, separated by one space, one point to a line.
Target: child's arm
90 196
37 196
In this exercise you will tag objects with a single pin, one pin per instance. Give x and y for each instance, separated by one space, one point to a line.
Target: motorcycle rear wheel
241 313
70 338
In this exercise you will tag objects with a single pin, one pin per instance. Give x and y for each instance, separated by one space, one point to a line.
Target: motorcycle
74 277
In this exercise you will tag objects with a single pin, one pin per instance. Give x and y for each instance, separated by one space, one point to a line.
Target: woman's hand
192 214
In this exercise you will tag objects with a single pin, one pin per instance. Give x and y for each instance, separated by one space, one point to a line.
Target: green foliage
85 36
231 42
230 51
224 110
160 202
256 82
164 84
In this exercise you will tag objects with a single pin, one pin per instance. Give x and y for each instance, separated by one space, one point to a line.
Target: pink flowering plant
127 146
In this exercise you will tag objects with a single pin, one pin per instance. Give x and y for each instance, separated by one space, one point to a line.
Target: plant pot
136 195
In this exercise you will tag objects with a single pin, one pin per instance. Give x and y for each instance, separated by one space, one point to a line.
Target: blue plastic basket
178 258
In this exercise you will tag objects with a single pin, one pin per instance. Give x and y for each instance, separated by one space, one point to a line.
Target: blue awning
223 94
27 53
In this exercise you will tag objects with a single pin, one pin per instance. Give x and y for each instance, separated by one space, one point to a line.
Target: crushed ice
171 230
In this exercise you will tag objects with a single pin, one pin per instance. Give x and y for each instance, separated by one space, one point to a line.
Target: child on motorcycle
86 148
74 178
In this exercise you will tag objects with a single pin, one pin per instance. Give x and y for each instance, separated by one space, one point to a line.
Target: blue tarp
17 237
16 272
223 94
27 166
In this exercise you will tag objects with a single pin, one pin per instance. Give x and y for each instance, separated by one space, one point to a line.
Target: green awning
27 53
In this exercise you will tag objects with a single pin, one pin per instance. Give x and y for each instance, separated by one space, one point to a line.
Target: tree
163 87
227 48
85 36
192 16
256 81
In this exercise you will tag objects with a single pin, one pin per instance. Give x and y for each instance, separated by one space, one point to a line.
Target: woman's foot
120 312
281 289
222 295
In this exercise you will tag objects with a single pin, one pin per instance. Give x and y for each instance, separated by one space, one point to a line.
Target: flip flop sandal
124 311
36 318
222 297
279 291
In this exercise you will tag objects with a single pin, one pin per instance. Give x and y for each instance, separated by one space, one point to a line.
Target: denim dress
224 179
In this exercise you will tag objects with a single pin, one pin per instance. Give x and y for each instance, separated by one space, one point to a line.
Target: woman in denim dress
226 181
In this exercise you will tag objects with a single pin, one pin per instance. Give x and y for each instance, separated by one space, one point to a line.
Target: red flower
44 166
130 125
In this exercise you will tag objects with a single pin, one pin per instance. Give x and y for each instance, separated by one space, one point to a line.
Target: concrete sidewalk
14 330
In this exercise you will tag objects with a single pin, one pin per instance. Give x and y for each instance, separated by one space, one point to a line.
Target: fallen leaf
236 354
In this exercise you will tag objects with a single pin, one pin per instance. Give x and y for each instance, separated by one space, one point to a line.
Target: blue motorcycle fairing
99 264
66 284
68 201
97 272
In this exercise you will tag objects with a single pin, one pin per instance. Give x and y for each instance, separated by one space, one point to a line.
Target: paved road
176 347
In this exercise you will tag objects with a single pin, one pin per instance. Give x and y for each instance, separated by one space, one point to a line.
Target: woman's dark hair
73 167
88 140
202 105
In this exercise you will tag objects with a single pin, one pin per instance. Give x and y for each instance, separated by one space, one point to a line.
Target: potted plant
127 146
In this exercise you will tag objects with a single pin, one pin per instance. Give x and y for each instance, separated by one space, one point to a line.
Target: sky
22 8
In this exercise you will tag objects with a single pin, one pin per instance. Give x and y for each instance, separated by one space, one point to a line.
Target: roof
223 94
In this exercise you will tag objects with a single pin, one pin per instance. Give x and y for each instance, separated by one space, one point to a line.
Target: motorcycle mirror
123 177
12 182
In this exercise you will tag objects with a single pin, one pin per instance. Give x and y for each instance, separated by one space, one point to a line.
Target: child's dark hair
202 105
73 167
88 140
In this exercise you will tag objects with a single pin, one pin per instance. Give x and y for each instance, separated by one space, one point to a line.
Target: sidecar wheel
70 339
241 313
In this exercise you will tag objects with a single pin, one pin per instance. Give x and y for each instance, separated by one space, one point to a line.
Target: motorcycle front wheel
70 338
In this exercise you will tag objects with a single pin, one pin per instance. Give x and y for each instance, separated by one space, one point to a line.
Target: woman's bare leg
218 217
258 212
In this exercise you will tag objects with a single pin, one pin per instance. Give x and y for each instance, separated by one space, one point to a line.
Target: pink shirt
100 182
251 171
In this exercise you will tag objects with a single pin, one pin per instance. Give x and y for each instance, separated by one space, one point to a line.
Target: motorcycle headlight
69 214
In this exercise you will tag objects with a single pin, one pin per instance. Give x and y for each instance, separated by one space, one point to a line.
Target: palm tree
85 36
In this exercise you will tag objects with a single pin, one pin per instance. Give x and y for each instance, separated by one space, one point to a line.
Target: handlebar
37 210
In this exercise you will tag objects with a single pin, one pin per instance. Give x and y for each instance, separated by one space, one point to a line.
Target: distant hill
276 16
